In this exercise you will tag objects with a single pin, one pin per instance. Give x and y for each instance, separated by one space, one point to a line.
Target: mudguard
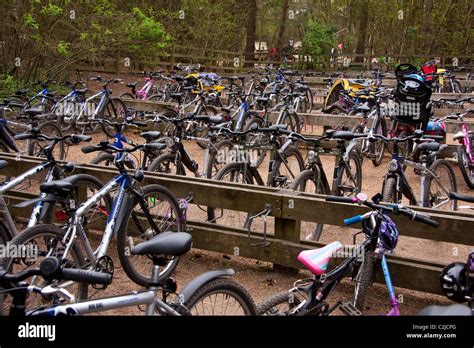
200 281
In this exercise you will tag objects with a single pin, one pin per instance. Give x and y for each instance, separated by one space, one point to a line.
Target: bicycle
137 214
465 151
347 175
309 296
430 168
284 165
107 107
211 293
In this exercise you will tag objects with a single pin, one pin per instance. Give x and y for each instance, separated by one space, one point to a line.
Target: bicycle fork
394 311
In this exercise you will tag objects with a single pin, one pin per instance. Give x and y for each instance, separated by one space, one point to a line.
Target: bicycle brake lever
50 290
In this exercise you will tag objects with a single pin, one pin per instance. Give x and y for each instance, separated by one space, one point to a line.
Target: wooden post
288 230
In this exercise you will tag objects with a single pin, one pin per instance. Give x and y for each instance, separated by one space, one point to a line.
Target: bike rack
264 213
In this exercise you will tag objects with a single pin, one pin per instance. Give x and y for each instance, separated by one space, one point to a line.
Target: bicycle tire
104 159
268 306
212 164
123 238
377 160
290 151
52 125
116 112
363 280
299 184
229 288
162 164
389 191
467 170
358 176
427 199
229 168
56 232
248 125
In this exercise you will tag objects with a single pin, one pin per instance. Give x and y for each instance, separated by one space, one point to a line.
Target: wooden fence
289 209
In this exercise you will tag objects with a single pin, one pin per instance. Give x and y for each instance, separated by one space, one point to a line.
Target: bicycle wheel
377 148
202 129
465 165
218 157
286 167
127 95
236 173
168 164
278 305
349 177
434 195
255 140
164 209
363 280
35 146
114 111
46 240
311 182
309 100
292 121
104 159
221 297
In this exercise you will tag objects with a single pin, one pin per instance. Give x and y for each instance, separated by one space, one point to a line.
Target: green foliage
318 38
143 28
7 85
30 21
51 10
63 48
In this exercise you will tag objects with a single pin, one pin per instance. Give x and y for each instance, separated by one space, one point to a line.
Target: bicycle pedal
349 309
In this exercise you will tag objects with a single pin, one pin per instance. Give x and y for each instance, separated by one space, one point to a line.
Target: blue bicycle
138 214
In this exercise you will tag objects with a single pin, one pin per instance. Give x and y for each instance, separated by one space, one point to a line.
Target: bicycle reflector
61 215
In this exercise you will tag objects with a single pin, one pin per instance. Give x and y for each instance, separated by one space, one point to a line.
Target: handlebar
51 269
75 138
395 209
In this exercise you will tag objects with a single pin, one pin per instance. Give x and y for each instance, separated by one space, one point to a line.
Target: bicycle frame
143 92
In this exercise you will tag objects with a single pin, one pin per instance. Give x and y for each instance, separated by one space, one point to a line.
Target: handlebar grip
341 199
89 148
85 276
454 195
139 123
77 138
24 136
353 220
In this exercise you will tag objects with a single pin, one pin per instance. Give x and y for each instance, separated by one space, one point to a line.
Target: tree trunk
251 30
281 33
363 23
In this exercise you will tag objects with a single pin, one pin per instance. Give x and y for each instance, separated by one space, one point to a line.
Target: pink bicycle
465 137
150 87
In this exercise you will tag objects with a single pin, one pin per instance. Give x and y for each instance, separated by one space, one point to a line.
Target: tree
251 30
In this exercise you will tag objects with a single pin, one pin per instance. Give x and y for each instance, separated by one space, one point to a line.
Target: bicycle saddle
81 91
215 119
431 146
455 309
150 135
3 164
132 84
166 243
263 100
363 108
176 96
61 187
317 260
35 110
